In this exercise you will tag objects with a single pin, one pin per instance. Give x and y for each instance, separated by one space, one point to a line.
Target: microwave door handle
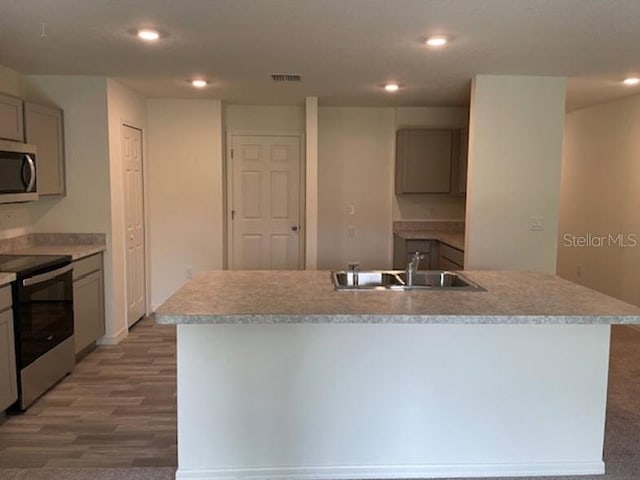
32 173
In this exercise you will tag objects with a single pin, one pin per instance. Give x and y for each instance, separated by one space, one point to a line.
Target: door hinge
233 214
232 153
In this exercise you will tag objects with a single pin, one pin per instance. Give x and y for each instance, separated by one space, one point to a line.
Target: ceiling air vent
286 77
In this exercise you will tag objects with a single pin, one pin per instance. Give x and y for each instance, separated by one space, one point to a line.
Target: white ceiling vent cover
286 77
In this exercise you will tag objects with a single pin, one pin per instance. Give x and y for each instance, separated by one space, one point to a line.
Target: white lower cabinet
88 302
8 382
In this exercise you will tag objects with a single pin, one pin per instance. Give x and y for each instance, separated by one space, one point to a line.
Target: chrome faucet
354 268
413 260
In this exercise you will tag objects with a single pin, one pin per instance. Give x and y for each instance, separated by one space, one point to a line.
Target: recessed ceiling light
148 34
199 83
631 81
437 41
391 87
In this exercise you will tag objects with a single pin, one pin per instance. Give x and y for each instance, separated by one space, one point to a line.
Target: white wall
430 206
86 207
600 196
355 163
185 179
515 151
356 167
264 118
124 107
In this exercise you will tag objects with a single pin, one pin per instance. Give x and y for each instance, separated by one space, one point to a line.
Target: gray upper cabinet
43 128
11 124
426 160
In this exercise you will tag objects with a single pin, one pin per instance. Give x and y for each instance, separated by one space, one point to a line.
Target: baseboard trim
378 472
114 339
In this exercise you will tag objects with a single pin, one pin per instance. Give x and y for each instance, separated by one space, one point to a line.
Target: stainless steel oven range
43 322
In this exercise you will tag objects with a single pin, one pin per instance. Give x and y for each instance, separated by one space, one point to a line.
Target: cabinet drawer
87 265
452 254
5 297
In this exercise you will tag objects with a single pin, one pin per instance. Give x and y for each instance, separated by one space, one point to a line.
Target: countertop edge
244 319
6 278
76 252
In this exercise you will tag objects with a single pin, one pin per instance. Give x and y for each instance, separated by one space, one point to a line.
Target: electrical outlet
189 273
536 222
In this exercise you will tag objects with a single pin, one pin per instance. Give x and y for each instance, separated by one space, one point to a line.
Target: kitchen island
281 376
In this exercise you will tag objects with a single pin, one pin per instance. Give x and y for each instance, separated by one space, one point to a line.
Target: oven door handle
43 277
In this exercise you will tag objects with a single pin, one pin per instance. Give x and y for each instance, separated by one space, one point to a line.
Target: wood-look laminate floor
116 409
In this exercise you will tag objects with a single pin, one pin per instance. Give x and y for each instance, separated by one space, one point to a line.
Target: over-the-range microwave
17 172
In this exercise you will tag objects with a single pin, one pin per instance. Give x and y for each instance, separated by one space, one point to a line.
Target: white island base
356 401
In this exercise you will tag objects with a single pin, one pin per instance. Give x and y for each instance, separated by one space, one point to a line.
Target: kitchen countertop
231 297
76 252
6 278
453 239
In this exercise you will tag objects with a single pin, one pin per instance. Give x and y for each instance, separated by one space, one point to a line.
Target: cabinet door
424 160
8 385
11 118
43 128
88 310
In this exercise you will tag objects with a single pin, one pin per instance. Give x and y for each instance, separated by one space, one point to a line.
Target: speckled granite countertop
229 297
6 278
76 252
75 245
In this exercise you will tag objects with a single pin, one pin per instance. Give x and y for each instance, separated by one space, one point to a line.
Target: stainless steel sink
366 280
396 280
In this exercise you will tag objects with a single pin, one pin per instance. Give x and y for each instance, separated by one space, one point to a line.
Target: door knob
294 228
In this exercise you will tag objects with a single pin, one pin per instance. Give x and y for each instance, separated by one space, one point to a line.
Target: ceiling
345 50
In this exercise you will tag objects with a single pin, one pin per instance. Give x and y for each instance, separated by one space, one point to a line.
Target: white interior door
265 202
134 221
